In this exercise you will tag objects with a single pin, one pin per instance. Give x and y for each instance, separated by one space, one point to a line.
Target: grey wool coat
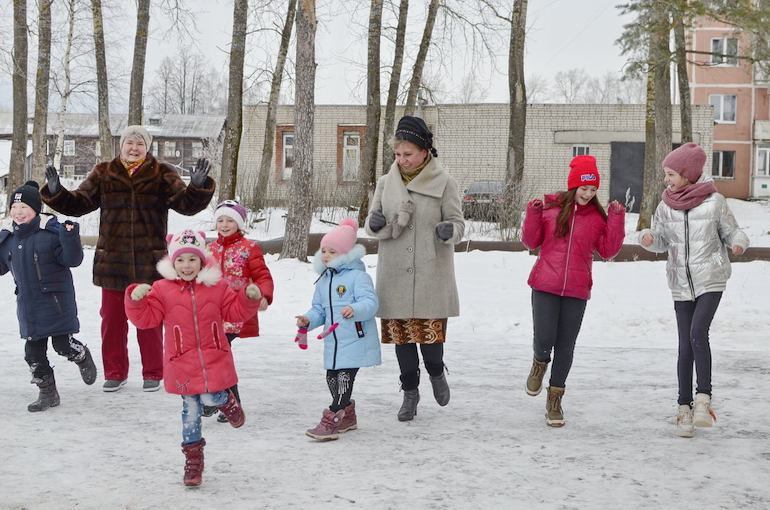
415 268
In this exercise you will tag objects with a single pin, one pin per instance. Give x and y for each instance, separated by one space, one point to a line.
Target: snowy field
488 449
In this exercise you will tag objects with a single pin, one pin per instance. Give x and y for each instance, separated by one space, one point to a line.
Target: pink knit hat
341 239
186 241
687 160
232 209
583 172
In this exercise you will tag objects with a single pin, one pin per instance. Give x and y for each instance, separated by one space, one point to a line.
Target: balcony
762 130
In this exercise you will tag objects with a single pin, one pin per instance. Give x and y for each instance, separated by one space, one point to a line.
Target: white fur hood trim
356 253
209 275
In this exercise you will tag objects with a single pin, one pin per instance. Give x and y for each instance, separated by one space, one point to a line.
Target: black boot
48 397
409 407
86 365
440 389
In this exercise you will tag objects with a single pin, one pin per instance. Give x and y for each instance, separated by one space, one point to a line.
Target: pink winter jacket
563 266
196 354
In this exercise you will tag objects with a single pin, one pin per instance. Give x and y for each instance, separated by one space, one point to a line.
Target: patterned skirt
413 331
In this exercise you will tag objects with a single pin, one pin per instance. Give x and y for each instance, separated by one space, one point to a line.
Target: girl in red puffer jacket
567 227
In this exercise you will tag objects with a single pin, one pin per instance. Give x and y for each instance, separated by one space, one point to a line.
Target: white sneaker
684 427
703 415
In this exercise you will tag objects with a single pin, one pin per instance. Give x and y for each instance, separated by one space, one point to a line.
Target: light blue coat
355 343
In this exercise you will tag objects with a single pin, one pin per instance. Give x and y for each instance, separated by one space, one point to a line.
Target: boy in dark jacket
40 257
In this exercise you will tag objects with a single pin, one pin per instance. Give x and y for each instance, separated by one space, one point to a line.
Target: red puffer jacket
242 263
563 266
196 354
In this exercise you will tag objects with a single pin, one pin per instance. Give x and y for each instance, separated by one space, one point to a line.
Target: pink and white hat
342 238
187 241
232 209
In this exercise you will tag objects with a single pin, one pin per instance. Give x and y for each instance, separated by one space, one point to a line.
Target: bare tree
471 91
569 85
40 120
135 94
680 56
538 89
102 85
260 193
422 55
301 202
602 90
66 90
395 78
19 58
234 122
373 110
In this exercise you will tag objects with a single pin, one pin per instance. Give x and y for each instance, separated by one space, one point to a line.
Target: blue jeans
192 410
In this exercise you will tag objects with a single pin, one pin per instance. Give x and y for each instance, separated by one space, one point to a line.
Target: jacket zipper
331 319
569 249
198 337
687 254
37 267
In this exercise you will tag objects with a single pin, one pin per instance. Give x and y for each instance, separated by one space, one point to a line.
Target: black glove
445 230
377 221
199 173
53 179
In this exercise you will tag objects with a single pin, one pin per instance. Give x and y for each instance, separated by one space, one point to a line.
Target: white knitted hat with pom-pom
342 238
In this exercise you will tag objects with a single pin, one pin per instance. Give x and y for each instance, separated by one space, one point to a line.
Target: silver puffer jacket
697 240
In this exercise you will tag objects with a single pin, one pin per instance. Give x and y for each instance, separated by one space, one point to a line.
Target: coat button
409 249
20 247
410 270
411 227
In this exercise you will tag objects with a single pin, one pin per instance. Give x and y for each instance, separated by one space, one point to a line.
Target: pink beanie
232 209
687 160
341 239
583 172
187 241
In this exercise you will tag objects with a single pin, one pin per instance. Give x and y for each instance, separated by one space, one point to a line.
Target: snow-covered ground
488 449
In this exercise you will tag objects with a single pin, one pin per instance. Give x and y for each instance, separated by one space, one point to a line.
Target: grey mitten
199 173
377 221
403 217
140 291
445 230
53 179
253 292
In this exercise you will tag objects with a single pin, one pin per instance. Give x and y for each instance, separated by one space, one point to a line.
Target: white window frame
763 161
287 154
154 148
724 46
69 148
169 149
581 150
351 156
197 150
718 101
717 166
68 171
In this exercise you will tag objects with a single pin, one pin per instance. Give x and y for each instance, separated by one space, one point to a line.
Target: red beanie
583 172
687 161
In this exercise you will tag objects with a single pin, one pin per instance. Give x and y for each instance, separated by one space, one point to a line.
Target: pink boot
348 422
193 466
233 410
327 430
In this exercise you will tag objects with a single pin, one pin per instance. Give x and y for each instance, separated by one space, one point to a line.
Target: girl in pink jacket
567 227
193 302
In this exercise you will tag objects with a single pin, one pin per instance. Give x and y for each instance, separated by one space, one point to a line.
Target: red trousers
115 341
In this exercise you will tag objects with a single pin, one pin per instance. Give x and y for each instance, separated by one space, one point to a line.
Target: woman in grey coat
416 214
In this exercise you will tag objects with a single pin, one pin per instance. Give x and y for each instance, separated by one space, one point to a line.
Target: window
155 148
351 155
763 161
287 154
724 165
724 51
724 107
580 150
69 171
69 147
197 150
169 149
154 121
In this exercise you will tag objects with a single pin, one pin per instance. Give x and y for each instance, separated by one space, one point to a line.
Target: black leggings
340 384
556 320
693 319
409 362
35 353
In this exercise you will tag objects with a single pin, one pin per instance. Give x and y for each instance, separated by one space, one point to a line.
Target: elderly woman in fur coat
416 214
134 192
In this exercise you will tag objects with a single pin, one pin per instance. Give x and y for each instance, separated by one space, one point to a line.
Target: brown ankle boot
193 465
349 421
554 416
233 410
535 379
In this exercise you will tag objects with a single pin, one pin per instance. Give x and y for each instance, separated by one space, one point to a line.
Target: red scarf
688 196
131 166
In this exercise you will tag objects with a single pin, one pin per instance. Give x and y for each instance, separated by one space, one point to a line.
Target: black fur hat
415 130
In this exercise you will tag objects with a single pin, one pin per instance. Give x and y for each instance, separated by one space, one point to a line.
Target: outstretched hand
616 207
140 291
199 172
52 176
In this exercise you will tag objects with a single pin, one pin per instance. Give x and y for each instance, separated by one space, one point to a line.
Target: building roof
164 126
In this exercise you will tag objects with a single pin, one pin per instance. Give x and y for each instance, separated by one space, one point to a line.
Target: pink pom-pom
350 222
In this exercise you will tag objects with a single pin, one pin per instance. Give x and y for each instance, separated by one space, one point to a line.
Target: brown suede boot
233 410
554 416
349 421
535 379
193 466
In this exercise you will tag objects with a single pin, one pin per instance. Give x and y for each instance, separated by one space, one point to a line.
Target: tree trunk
105 136
663 128
650 186
301 202
19 60
42 81
373 108
135 94
67 87
514 175
395 77
422 54
260 193
685 108
234 123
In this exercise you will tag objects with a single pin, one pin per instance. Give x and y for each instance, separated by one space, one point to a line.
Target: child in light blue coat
344 303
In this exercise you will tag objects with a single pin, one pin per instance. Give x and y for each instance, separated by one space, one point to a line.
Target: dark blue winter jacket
40 257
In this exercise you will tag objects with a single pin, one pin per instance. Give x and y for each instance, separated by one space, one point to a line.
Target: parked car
483 200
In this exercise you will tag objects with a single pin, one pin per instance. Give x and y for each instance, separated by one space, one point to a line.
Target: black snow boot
86 364
48 397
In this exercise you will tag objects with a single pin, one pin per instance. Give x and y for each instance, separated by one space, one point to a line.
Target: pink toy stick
326 332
